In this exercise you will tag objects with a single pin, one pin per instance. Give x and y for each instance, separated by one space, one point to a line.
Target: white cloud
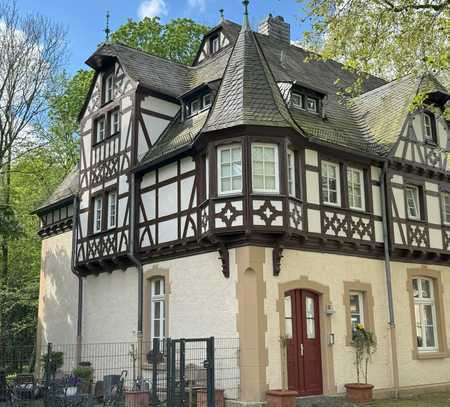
152 8
198 4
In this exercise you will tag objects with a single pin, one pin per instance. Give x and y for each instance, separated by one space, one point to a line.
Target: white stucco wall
110 307
58 294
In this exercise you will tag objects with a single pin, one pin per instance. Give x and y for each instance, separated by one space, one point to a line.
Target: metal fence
145 372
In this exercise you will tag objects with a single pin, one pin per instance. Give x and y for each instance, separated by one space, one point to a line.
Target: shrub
365 345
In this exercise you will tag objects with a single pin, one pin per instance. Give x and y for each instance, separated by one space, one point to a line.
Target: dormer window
312 105
306 99
198 104
298 100
429 124
214 44
207 100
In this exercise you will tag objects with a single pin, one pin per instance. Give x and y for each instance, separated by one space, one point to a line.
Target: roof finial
107 31
222 16
246 24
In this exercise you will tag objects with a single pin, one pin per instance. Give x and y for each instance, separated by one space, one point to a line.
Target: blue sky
85 19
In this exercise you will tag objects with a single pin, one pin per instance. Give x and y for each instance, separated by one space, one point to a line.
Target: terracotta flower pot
359 393
281 398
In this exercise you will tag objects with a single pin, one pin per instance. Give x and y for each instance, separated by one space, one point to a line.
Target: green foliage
365 345
10 227
386 38
83 373
64 109
53 361
178 40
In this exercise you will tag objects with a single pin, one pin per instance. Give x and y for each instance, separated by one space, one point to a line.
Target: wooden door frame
328 380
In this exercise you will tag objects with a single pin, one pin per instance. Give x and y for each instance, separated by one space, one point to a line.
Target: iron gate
189 378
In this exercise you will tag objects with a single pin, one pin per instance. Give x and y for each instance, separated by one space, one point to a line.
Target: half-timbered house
243 197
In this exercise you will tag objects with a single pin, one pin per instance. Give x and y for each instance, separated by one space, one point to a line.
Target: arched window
157 308
425 313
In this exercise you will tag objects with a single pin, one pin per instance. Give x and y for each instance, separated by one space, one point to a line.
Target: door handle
301 349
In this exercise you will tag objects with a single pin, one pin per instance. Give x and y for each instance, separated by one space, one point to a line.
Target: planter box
359 393
281 398
137 398
202 398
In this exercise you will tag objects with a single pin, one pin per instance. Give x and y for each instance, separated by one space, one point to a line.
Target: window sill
430 355
97 143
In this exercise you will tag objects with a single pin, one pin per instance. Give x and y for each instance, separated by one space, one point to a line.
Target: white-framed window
206 100
195 106
297 100
100 129
109 88
157 308
412 202
98 214
355 181
446 207
425 312
291 172
331 190
311 104
115 122
112 209
265 177
428 130
356 308
215 45
229 168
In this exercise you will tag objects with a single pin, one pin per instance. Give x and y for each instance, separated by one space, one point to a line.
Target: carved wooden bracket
225 258
277 255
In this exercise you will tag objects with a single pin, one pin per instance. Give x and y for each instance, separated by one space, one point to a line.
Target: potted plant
52 362
282 397
365 345
84 376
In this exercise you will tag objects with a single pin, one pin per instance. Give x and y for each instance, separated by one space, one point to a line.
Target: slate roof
248 94
381 113
68 188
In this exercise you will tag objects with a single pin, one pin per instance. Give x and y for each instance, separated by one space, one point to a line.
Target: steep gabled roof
381 113
153 72
68 188
248 94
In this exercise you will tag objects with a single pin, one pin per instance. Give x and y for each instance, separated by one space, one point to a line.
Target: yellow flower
360 327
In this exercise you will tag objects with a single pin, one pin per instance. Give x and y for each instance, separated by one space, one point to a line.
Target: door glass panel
288 317
310 321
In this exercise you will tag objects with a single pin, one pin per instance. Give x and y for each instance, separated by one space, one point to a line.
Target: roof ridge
148 54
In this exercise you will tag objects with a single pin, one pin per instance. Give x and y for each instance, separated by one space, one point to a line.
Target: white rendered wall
110 307
58 294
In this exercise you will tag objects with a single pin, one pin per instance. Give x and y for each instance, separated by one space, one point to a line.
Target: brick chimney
276 27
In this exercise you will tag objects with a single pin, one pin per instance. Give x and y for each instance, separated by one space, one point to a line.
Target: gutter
387 268
76 205
140 271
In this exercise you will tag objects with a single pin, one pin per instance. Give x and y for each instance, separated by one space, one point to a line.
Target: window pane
354 304
237 154
426 289
225 184
257 153
258 182
156 329
226 170
237 184
428 315
287 307
157 313
270 183
415 284
157 287
431 343
236 169
269 168
225 156
310 319
269 154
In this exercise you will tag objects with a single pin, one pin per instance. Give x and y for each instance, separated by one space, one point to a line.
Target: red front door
304 362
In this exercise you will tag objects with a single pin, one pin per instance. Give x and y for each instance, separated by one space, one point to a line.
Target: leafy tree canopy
386 38
178 40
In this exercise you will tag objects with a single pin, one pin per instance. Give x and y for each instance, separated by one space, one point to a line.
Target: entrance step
323 401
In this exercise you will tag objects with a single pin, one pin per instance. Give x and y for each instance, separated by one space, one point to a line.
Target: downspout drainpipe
140 271
387 267
76 204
